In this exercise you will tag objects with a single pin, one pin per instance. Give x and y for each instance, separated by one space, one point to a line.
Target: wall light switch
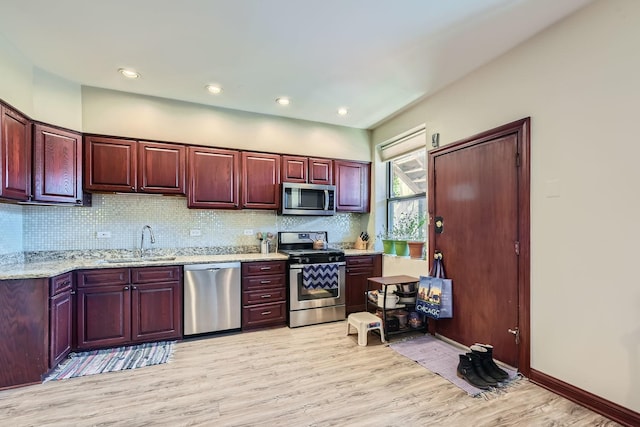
195 233
103 235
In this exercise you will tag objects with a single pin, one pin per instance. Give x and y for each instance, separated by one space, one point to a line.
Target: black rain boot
466 372
488 363
476 361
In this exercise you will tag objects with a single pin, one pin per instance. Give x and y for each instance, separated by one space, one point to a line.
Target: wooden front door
480 189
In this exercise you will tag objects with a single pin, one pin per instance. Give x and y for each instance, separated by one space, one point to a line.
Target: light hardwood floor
310 376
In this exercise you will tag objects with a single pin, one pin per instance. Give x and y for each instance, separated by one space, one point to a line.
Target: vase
415 249
402 249
389 247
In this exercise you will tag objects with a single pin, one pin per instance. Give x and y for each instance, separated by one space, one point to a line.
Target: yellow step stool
364 322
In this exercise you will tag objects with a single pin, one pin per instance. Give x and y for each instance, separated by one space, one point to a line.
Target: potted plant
410 229
388 243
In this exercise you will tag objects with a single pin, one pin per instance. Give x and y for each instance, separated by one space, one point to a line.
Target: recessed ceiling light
343 111
283 101
130 74
215 89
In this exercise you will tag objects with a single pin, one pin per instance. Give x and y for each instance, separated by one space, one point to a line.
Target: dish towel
320 276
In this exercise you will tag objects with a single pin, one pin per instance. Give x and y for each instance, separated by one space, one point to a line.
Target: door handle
515 331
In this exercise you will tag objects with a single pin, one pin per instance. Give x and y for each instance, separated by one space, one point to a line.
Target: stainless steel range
316 279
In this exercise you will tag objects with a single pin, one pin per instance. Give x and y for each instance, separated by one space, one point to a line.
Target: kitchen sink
136 259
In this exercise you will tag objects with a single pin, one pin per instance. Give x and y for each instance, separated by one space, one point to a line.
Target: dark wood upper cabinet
57 165
307 170
161 168
352 186
260 180
129 166
213 178
320 171
295 169
15 154
110 164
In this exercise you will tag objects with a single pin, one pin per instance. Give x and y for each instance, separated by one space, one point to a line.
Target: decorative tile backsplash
10 229
122 217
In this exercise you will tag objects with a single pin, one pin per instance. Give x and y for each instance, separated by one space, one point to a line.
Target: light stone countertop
46 269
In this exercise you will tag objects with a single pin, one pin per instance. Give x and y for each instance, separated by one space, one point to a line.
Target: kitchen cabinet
213 178
161 168
126 306
60 317
352 186
129 166
110 164
15 154
260 180
57 165
358 270
307 170
24 326
264 295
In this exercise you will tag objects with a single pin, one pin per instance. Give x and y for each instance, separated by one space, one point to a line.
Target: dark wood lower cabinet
129 306
156 311
61 315
24 326
264 294
359 269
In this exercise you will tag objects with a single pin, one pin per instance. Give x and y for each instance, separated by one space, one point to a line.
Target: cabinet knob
126 288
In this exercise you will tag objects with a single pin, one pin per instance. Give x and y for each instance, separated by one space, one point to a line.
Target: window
406 196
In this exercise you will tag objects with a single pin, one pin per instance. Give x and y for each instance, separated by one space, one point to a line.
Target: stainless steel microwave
308 199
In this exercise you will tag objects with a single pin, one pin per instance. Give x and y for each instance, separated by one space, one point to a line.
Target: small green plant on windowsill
388 243
410 228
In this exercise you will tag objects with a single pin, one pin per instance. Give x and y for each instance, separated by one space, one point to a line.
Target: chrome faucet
152 238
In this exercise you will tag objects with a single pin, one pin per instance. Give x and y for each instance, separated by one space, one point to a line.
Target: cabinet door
214 178
260 180
359 269
156 311
103 316
320 171
15 153
110 164
24 329
295 169
352 186
60 326
57 165
161 168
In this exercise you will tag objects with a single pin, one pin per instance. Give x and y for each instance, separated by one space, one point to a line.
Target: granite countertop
46 269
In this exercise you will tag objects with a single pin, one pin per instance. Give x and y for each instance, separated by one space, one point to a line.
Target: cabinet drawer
264 315
155 274
360 261
264 296
61 283
107 276
262 282
263 267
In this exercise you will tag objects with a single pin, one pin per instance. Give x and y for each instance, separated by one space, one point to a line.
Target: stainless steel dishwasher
211 297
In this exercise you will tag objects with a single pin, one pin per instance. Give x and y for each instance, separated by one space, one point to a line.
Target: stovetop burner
299 247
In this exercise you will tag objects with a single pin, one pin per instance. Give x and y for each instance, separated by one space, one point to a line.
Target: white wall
125 114
16 78
579 81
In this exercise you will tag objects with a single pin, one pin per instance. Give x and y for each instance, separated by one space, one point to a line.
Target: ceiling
374 57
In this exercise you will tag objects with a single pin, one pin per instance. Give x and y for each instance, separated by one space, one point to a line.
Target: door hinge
517 160
516 246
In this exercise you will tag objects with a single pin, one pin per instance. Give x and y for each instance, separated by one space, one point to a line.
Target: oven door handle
300 266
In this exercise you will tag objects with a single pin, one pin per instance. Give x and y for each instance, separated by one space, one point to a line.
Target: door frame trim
522 129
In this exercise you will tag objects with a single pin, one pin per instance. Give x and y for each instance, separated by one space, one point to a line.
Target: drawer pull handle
262 282
266 296
265 268
264 313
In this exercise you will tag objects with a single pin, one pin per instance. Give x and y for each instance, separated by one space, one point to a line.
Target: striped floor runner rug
113 359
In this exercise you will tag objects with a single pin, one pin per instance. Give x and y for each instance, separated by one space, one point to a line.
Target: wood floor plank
310 376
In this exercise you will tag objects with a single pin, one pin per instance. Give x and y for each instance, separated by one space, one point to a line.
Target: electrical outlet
103 235
248 232
195 233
